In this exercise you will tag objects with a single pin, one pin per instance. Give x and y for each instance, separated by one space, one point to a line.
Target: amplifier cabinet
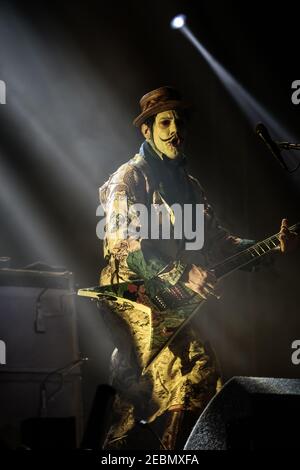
38 372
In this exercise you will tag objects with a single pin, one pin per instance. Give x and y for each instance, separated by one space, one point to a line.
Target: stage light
252 109
178 21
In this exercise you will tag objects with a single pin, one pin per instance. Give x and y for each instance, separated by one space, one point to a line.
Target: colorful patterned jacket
185 375
149 179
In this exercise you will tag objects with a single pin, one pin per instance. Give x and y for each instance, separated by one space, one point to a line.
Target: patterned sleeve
120 196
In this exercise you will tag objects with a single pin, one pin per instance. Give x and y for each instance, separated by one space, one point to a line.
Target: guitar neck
249 255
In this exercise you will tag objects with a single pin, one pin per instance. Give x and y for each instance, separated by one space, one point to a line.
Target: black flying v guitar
153 322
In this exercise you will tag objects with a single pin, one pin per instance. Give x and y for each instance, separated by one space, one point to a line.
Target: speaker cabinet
38 373
250 413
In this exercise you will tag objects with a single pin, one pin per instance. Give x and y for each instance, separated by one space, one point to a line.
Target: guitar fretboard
249 255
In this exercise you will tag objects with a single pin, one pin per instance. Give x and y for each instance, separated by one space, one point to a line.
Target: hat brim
167 105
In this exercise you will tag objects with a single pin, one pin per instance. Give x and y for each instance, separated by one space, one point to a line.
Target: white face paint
168 133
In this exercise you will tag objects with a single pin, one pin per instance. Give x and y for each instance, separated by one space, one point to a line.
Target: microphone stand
289 146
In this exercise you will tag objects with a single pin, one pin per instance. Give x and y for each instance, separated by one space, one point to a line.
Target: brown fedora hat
158 100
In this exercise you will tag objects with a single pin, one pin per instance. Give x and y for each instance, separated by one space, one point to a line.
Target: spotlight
253 110
178 21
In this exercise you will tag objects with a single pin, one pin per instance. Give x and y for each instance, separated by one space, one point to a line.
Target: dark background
75 72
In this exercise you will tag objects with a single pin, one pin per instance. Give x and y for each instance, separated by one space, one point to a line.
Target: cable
61 372
145 424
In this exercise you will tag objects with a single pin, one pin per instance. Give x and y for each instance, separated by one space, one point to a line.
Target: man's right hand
200 281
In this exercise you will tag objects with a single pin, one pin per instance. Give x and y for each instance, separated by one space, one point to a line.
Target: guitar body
151 323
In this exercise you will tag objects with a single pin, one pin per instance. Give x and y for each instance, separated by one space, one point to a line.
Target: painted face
169 132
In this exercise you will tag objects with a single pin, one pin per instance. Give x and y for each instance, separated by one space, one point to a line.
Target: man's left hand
288 240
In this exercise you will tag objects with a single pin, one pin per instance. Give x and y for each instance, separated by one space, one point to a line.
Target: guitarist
185 376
